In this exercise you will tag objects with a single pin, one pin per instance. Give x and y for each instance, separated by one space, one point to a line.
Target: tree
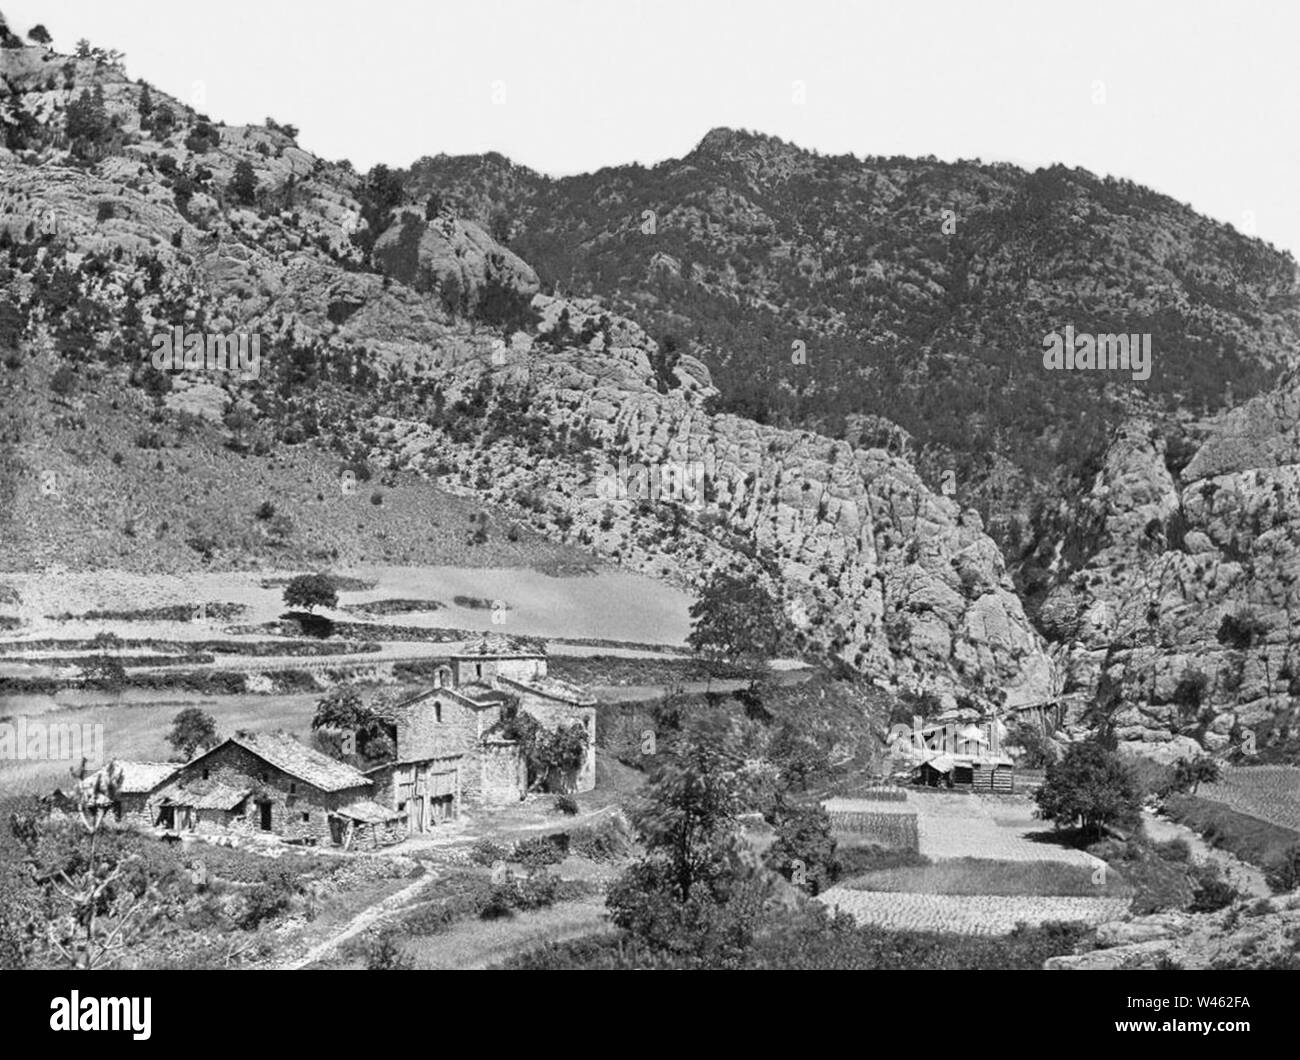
499 227
87 120
243 185
40 35
804 849
692 894
1089 785
240 420
144 105
310 591
735 617
693 799
192 729
342 709
1189 773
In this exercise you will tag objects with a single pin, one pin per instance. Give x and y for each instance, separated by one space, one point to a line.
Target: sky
1197 100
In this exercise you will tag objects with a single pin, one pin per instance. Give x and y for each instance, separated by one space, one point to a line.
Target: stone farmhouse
269 782
450 749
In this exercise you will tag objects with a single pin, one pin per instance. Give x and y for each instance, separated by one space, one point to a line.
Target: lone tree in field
192 729
40 35
736 618
311 590
1090 786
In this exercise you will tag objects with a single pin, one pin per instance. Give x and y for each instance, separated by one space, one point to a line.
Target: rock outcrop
1184 619
1259 933
454 259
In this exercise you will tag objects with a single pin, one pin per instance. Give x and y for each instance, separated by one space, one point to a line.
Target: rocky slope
1181 622
1260 933
402 340
920 290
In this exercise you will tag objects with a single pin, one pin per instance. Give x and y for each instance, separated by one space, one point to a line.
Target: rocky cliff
124 213
1181 622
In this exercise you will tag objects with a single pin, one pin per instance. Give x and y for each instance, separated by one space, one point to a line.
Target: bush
1210 891
566 804
487 852
267 900
538 851
605 840
385 953
1283 875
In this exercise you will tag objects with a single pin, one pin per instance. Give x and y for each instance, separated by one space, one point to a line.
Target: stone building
136 797
268 782
450 745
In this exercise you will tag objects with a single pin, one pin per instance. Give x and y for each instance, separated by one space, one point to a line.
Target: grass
977 876
1248 838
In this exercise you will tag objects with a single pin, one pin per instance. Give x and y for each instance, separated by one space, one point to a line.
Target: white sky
1200 99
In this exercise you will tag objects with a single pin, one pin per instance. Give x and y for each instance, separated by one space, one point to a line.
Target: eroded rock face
452 258
1188 609
893 578
1259 933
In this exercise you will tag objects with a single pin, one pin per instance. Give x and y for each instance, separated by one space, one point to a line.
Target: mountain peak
725 142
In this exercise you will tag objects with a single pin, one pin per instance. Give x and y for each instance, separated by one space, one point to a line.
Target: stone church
449 748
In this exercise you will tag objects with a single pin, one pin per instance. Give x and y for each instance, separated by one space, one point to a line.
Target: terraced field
998 828
965 914
1271 793
973 885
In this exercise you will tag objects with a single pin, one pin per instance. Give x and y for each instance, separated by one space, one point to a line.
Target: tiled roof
138 778
553 688
298 760
209 795
478 693
498 645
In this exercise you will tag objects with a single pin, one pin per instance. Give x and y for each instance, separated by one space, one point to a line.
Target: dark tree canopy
1090 786
736 617
192 730
310 591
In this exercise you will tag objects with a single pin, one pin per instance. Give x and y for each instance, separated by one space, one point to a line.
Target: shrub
605 840
385 953
538 851
487 852
1210 891
566 804
1283 875
267 900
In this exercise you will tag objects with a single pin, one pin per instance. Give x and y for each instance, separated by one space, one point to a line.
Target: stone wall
504 775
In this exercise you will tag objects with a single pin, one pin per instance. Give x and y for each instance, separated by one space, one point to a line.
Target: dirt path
364 919
1245 877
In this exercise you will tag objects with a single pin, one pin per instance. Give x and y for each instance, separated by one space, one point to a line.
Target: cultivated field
967 914
1271 793
992 865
